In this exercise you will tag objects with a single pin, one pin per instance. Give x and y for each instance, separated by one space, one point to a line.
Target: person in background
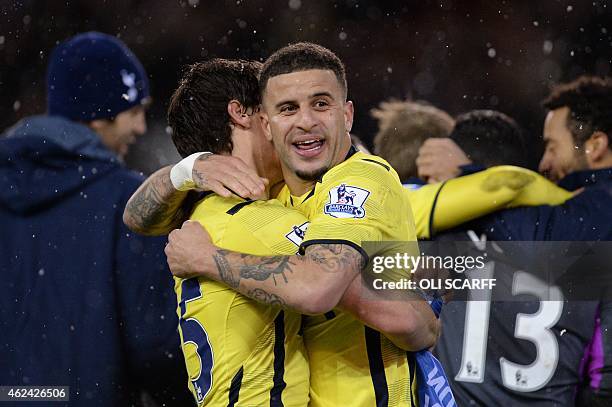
403 126
578 155
85 303
491 137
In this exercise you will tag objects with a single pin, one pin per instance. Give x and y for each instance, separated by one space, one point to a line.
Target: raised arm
459 200
158 207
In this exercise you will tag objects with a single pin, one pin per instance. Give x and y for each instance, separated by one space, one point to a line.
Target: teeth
306 142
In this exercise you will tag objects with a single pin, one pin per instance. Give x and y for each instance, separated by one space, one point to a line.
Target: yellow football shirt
357 201
239 352
446 205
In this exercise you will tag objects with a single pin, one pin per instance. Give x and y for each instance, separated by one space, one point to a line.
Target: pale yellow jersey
446 205
239 352
357 201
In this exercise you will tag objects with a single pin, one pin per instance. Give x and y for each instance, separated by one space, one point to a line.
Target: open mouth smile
309 147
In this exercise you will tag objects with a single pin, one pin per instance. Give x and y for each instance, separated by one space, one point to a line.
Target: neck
604 162
296 185
243 149
275 189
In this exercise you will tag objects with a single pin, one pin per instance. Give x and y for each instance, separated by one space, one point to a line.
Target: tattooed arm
325 277
156 208
310 284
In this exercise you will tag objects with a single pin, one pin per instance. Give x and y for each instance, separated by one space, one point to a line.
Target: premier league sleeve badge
346 201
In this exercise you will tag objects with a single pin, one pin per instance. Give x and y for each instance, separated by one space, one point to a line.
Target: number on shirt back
532 327
194 335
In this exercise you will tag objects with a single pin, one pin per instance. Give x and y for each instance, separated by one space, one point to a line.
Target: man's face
120 133
561 155
308 119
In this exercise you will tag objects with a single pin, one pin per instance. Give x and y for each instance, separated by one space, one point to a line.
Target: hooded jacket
84 302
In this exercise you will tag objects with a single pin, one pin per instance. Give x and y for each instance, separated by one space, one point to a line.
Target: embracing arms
328 275
463 199
157 207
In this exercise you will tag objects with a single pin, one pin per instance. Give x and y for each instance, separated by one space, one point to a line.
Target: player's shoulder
213 204
274 226
239 209
366 167
269 209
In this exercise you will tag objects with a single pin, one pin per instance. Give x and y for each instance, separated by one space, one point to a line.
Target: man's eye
285 109
321 103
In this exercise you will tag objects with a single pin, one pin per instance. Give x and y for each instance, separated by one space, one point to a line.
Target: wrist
181 174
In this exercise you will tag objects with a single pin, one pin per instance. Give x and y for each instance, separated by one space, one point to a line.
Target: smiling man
308 118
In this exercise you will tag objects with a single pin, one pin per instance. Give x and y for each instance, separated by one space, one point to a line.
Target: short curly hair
589 99
302 56
490 138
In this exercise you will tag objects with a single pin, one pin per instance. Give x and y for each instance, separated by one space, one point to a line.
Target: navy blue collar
585 178
413 181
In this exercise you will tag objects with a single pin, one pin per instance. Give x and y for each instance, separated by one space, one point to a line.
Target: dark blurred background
458 55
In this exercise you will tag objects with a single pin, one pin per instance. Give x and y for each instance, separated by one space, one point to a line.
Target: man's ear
596 146
238 114
265 124
349 112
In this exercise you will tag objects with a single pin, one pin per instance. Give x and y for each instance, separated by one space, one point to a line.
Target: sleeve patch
346 201
296 236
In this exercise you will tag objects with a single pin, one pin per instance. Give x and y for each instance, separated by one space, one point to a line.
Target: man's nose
140 126
545 163
306 119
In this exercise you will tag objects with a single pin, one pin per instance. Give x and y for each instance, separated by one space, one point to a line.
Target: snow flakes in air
547 47
295 4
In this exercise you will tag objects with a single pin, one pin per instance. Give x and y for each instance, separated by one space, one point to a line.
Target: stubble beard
311 175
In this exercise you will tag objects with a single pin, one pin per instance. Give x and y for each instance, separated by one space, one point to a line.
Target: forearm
466 198
309 284
156 207
407 321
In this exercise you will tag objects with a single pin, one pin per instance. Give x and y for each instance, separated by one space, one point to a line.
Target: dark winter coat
84 302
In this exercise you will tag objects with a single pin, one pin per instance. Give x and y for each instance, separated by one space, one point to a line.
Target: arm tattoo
156 206
250 267
333 258
269 266
225 270
265 297
336 257
199 177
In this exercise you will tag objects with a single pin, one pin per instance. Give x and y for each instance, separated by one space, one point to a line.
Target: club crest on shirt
346 201
297 234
